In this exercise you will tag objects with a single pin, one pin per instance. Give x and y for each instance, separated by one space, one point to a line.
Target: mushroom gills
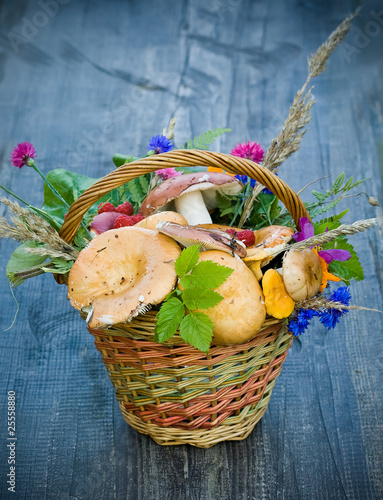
209 239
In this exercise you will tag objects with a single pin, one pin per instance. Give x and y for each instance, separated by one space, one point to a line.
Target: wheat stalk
288 141
28 226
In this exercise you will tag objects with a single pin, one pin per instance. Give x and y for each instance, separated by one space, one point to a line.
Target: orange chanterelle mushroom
121 273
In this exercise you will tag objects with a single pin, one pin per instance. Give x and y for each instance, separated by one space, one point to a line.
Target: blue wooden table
82 80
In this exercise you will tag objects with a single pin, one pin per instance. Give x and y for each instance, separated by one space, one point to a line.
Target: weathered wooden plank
99 78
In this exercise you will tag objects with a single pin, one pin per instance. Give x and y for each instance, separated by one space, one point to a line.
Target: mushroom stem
192 207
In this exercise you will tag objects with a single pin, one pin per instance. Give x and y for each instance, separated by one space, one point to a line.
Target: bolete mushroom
193 195
121 273
302 274
242 312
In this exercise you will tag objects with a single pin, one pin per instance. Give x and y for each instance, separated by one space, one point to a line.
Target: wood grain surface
82 80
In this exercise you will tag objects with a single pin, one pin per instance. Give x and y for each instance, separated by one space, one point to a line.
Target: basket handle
181 158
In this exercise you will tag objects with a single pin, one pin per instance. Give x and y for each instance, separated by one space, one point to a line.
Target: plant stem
42 214
52 188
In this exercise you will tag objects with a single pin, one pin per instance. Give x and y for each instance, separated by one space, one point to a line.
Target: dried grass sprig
321 303
169 132
320 239
288 141
27 226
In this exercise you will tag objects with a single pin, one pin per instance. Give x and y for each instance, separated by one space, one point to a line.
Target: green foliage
340 187
349 269
206 275
119 159
22 260
187 260
204 140
197 329
197 281
329 223
168 319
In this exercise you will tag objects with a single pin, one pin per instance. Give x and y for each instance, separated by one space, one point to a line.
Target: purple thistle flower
301 321
250 150
330 317
160 144
23 154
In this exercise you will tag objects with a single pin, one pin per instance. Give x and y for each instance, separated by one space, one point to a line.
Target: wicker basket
172 391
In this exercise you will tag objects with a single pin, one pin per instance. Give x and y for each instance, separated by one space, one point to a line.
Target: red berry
137 218
246 236
125 208
105 207
123 221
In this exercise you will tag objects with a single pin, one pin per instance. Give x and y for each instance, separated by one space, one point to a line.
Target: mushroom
121 273
209 239
267 241
151 221
278 302
242 312
302 274
193 194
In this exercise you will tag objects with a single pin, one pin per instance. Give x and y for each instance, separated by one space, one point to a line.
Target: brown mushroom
193 194
122 272
151 221
302 274
209 239
241 313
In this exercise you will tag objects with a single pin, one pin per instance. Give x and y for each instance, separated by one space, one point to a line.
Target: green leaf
119 159
197 329
168 319
61 266
194 298
187 260
204 140
22 260
349 269
206 275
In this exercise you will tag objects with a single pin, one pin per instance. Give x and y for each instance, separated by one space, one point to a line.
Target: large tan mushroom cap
302 274
121 272
242 312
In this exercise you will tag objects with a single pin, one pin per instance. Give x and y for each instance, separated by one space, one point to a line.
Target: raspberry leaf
200 299
168 318
197 329
206 275
187 260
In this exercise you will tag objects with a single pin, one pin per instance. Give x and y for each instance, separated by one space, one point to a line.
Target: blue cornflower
244 179
299 324
330 317
160 144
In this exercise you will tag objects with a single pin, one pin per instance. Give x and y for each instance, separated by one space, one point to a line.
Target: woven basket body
173 392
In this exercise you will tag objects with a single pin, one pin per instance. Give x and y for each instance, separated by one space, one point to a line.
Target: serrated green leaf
144 183
168 319
206 275
197 329
329 223
349 269
187 260
136 193
194 298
